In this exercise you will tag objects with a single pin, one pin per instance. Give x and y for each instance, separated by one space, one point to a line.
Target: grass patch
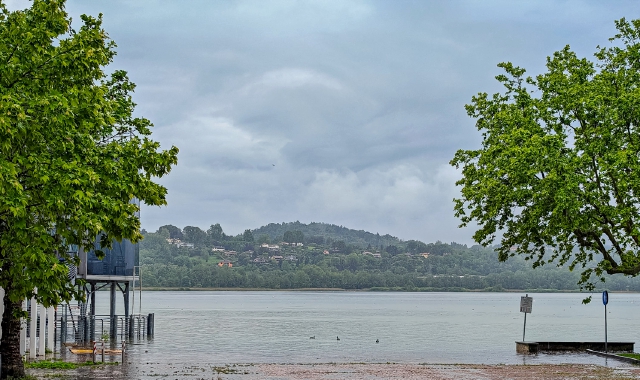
632 356
51 364
59 364
228 370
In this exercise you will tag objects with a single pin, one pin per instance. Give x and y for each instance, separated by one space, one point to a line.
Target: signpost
526 303
605 301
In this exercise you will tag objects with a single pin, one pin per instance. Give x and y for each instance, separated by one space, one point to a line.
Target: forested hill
282 256
323 232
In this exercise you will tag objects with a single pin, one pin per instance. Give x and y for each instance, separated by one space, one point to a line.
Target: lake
276 326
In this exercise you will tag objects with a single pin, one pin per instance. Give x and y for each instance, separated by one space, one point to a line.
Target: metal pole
133 286
51 327
140 291
525 326
32 329
23 331
112 313
605 329
92 312
132 326
127 325
42 330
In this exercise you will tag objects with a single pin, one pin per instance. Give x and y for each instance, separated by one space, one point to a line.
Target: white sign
525 304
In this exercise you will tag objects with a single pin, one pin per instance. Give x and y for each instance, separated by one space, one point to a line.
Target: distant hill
312 231
328 256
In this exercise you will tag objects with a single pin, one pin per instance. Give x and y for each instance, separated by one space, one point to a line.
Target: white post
1 308
43 329
32 329
23 331
51 326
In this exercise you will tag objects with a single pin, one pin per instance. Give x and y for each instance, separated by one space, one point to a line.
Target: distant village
272 252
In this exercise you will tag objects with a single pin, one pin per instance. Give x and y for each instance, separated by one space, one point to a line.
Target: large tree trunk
12 365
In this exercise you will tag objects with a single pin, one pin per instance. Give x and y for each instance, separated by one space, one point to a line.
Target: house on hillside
178 243
271 247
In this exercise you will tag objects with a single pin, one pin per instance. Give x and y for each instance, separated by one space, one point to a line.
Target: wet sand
344 371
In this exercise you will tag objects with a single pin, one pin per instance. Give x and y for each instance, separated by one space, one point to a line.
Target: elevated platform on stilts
110 278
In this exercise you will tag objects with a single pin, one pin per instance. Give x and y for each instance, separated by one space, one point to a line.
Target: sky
343 112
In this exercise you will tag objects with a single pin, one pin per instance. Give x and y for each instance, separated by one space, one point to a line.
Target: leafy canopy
558 174
73 156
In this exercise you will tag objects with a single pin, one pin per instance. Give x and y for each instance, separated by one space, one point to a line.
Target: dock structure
78 324
119 272
535 347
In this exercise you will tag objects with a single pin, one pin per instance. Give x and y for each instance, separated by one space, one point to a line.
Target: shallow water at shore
266 335
220 328
349 371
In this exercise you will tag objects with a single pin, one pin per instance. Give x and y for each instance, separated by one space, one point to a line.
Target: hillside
329 232
318 255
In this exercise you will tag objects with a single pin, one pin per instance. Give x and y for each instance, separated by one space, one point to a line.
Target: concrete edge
614 356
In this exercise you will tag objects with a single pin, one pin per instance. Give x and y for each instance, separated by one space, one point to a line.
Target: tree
174 232
263 239
72 157
415 246
194 235
392 250
339 245
215 232
558 174
247 236
293 236
164 232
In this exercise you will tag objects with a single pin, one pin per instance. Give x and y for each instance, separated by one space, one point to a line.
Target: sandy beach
351 371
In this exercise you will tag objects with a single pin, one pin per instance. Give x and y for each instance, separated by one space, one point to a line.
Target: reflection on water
275 327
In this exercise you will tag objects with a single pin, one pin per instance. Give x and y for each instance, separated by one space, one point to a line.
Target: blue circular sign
605 297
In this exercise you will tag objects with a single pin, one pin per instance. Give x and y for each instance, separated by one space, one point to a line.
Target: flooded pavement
554 366
345 371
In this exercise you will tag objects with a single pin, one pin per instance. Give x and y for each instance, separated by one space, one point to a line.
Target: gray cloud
334 111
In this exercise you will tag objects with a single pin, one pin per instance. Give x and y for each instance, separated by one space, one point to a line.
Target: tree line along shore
323 256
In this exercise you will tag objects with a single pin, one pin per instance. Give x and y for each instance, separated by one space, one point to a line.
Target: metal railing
83 329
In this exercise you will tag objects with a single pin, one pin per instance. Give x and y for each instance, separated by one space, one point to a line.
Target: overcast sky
344 112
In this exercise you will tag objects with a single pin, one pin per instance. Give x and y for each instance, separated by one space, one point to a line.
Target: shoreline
347 371
435 290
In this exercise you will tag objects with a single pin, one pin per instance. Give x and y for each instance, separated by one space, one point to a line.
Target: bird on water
312 337
337 338
377 341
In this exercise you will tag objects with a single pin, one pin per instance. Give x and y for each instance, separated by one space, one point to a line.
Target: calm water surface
275 327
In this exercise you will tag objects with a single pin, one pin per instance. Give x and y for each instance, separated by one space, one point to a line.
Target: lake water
275 327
